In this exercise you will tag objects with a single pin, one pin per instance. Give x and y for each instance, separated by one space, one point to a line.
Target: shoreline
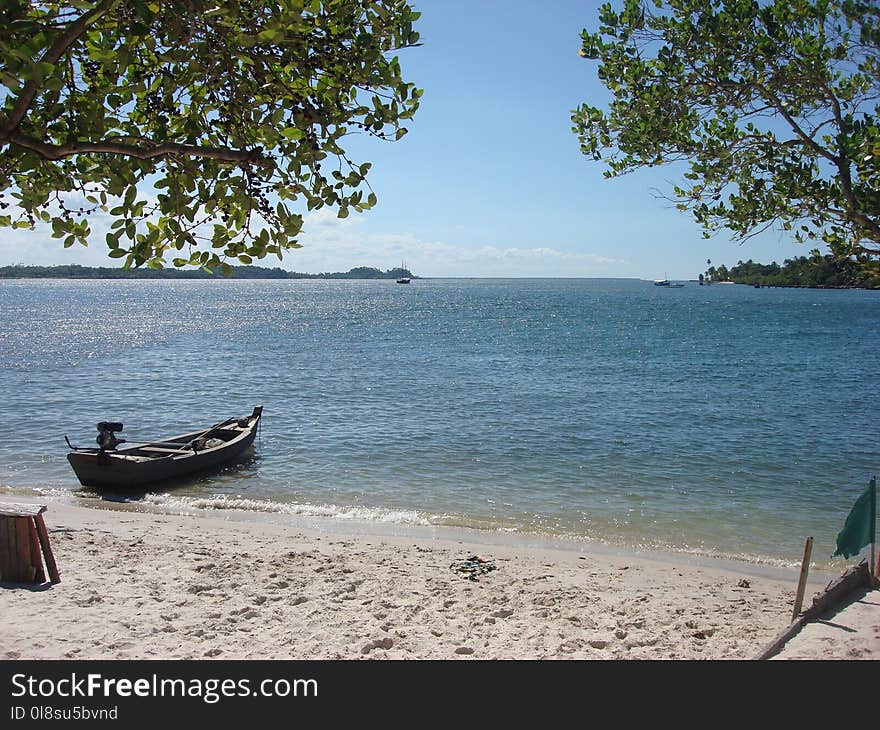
144 584
341 524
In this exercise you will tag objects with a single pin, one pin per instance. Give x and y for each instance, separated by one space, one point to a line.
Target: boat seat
162 450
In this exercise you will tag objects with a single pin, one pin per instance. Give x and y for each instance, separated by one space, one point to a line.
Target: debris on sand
473 566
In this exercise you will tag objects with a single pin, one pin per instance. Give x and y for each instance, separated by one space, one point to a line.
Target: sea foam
225 502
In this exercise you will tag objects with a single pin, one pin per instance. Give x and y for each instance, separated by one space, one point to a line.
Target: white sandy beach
850 633
147 585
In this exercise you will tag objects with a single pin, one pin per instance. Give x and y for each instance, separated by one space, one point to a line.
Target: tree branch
147 151
52 54
808 140
846 185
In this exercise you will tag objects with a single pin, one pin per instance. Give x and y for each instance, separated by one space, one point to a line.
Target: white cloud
327 217
333 244
38 248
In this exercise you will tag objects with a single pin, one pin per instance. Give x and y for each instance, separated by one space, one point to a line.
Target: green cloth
858 530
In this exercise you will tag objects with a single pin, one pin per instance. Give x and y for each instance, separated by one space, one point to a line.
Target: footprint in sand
384 643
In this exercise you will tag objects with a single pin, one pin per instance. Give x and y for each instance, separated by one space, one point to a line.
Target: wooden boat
135 465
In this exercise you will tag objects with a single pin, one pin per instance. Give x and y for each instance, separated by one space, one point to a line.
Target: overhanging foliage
773 105
205 129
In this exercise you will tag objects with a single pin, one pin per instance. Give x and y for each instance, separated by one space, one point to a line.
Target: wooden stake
54 577
874 566
802 582
36 558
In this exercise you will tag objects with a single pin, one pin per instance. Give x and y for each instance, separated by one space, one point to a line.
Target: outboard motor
107 431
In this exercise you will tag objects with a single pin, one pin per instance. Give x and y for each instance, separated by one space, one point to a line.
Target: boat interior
185 444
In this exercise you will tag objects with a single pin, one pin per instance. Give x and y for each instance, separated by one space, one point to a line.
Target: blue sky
490 180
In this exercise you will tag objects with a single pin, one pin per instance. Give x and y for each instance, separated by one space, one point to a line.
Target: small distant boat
403 279
135 465
667 283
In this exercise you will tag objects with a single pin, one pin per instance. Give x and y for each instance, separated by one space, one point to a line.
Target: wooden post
36 558
874 565
802 581
47 549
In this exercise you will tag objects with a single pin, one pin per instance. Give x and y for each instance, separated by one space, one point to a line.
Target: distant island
814 272
74 271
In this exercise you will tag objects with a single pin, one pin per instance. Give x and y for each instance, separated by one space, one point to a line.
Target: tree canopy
773 105
815 271
204 129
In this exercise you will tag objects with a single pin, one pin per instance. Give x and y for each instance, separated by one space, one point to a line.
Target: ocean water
719 420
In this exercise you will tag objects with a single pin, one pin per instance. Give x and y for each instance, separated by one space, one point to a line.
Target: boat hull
126 469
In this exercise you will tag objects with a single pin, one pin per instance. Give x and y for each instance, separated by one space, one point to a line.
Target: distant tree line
814 271
74 271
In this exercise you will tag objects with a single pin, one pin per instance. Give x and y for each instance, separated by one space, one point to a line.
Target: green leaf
292 133
730 88
237 80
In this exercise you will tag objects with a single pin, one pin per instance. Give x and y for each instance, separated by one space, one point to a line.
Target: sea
720 421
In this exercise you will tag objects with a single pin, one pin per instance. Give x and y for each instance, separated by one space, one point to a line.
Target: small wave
626 541
51 492
736 557
175 503
223 502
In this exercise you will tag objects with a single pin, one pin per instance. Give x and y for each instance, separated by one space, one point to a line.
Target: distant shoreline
794 286
75 271
240 273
